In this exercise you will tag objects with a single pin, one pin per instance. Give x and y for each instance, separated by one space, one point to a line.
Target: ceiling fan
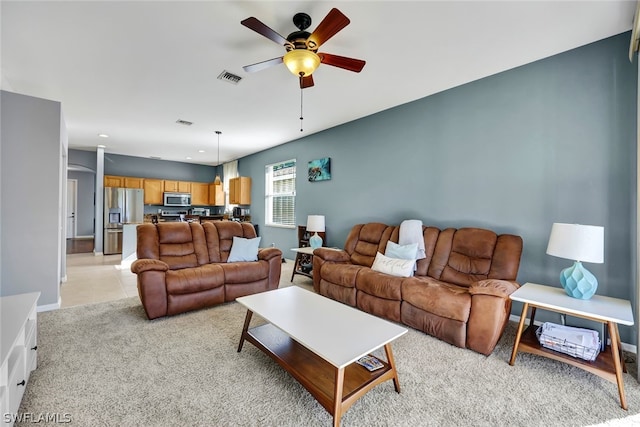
302 57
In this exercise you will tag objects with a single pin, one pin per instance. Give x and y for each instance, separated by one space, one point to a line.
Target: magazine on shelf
370 362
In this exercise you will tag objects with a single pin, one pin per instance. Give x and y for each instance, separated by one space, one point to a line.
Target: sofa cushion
379 284
244 249
219 237
181 244
393 266
365 240
341 274
196 279
440 298
245 271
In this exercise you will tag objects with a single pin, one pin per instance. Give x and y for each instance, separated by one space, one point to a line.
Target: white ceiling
131 69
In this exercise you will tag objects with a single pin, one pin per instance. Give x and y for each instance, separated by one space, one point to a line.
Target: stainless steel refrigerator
121 206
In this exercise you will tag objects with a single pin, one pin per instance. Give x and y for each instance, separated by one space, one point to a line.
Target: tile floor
92 279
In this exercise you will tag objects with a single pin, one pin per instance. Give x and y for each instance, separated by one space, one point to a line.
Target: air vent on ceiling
229 77
184 122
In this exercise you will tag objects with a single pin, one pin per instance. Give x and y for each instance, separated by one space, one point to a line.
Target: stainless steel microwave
177 199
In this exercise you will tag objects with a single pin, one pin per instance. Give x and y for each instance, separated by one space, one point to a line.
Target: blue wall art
320 170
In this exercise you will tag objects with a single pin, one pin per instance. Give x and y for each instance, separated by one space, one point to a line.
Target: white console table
19 350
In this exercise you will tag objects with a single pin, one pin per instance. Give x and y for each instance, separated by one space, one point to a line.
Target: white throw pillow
244 249
393 266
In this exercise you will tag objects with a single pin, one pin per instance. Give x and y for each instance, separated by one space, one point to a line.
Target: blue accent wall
551 141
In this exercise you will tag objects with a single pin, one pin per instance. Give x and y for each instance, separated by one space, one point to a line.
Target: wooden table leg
615 354
523 316
392 363
245 328
296 262
337 397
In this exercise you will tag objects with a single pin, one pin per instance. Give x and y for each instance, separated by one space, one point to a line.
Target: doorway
72 205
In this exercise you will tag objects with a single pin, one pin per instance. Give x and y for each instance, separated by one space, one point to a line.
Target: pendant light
217 180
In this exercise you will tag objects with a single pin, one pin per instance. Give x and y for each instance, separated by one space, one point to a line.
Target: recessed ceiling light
103 135
200 151
188 158
102 146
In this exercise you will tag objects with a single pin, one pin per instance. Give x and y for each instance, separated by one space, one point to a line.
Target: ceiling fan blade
350 64
256 25
330 25
262 65
306 81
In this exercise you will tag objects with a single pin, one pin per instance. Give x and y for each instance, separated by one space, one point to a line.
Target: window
280 194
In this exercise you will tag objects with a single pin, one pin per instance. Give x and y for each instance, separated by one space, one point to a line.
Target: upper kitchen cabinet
113 181
133 182
153 191
240 190
177 186
200 194
216 194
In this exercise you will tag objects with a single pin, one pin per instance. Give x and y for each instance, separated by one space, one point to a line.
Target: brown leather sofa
459 292
183 266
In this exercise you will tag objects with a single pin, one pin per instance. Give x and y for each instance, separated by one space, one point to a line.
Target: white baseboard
98 253
64 279
88 236
50 307
625 346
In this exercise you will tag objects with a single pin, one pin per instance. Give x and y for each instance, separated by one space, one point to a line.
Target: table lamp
315 223
579 243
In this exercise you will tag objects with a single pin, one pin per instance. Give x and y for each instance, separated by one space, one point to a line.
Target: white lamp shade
577 242
315 223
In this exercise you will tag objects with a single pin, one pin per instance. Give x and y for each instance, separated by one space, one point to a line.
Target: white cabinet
18 352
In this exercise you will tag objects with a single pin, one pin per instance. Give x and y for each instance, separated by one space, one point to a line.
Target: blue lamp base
315 241
578 282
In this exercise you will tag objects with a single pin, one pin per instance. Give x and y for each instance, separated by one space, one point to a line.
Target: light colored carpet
106 364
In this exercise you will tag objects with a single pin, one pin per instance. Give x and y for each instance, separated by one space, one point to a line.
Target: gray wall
140 167
31 196
552 141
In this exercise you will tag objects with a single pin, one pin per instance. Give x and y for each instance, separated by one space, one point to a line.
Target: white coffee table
317 340
611 311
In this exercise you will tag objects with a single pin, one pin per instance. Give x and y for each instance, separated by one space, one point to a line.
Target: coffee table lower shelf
315 374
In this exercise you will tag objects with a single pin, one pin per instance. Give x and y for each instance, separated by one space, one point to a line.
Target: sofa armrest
493 287
142 265
268 253
332 255
490 310
326 255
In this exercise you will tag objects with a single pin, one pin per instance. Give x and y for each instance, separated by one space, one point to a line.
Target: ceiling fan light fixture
301 62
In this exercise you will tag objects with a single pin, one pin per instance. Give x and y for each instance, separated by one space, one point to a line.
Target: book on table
370 362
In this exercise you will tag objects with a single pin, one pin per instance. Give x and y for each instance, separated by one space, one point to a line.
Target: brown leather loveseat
459 292
183 266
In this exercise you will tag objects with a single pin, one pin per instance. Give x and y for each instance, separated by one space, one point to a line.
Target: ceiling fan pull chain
301 118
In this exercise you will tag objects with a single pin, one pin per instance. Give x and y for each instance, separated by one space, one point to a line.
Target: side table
611 311
303 261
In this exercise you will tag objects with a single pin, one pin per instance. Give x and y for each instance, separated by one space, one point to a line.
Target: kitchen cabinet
153 191
113 181
200 194
177 186
130 182
216 194
240 190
